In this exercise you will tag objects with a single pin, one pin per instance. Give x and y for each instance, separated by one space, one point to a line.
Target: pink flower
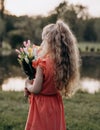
28 43
21 49
25 44
17 51
19 56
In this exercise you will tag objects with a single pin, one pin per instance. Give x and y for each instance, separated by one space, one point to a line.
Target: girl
57 70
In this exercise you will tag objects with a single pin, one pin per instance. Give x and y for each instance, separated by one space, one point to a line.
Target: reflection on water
9 68
14 84
17 84
90 85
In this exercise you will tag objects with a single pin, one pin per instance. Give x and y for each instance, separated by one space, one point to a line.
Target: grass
13 111
81 111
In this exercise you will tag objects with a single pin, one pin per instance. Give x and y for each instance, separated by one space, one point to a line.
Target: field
82 112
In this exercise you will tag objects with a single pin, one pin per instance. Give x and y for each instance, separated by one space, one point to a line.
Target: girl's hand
26 92
27 82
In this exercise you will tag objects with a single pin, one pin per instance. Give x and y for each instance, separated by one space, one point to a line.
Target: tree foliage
15 29
89 33
2 21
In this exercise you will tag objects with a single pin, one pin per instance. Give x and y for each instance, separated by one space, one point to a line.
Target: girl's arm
37 85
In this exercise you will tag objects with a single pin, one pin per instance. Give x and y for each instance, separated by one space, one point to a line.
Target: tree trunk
2 9
2 17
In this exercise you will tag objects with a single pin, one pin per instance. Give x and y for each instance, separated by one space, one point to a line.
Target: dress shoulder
39 62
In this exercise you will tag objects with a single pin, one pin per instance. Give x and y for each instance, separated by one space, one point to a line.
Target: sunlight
17 84
32 7
93 6
14 84
42 7
90 85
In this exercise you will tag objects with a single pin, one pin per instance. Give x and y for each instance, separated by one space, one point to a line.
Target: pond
12 77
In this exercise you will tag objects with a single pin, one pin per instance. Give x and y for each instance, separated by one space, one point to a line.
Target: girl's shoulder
45 63
39 62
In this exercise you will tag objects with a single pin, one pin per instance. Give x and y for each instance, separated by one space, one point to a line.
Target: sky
42 7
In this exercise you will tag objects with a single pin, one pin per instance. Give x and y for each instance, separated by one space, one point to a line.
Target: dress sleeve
41 63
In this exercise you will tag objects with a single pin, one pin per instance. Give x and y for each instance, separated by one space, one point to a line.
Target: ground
81 111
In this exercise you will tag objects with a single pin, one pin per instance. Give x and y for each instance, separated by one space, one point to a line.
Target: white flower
25 50
27 60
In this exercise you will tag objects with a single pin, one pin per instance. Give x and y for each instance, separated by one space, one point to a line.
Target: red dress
46 110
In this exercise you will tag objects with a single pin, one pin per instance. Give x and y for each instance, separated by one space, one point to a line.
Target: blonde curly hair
64 50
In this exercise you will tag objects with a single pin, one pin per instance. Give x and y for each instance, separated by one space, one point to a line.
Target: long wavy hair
64 51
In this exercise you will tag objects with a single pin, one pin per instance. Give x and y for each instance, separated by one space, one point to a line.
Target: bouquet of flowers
26 55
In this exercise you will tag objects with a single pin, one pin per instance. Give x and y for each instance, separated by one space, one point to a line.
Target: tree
81 11
2 22
89 33
25 28
61 9
2 8
97 28
74 15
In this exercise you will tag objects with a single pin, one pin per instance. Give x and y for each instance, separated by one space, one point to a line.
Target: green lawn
82 112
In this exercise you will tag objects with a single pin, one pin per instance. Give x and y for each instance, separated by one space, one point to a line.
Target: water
13 84
17 84
12 77
90 85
